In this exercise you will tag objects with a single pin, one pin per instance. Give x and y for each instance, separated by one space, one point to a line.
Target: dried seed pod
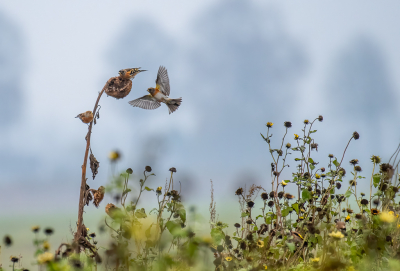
98 196
118 87
94 165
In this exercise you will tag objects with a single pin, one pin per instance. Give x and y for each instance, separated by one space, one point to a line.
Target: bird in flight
86 117
158 95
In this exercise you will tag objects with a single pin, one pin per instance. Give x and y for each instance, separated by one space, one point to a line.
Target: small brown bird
86 117
98 196
130 73
158 95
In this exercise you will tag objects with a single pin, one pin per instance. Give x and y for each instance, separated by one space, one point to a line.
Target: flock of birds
121 85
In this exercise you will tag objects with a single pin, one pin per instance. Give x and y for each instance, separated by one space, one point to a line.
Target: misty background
236 64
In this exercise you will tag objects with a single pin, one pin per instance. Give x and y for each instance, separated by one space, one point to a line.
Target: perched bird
129 73
86 117
158 95
120 86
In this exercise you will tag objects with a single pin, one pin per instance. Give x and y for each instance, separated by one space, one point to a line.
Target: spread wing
162 81
146 102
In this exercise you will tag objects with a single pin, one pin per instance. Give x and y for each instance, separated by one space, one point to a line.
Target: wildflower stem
370 186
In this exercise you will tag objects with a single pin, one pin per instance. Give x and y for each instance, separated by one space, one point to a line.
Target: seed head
129 171
357 168
288 145
171 169
338 185
356 135
330 155
354 162
264 196
375 159
239 191
250 204
306 121
364 202
320 118
270 203
48 231
7 240
237 225
314 146
287 124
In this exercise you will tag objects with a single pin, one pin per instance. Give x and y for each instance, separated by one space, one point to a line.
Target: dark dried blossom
94 165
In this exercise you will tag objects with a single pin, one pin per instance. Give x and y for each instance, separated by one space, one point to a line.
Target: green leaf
126 192
285 212
245 214
149 189
312 167
140 213
296 207
268 220
376 179
298 159
310 160
172 227
305 194
182 214
348 194
290 246
313 131
335 162
302 148
217 235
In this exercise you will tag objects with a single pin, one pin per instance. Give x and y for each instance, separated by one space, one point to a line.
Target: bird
158 95
130 73
86 117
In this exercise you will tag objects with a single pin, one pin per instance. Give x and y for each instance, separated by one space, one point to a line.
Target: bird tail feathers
173 104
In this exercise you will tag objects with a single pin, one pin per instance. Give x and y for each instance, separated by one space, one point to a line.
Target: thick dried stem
83 180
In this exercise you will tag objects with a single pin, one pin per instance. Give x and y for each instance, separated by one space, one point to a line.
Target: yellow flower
317 176
283 183
336 235
296 136
228 259
301 218
114 156
398 226
386 217
46 245
269 124
45 257
35 228
260 243
347 218
315 260
265 267
87 229
391 212
350 268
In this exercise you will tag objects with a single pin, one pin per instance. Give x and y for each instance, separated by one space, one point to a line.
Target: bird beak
142 70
